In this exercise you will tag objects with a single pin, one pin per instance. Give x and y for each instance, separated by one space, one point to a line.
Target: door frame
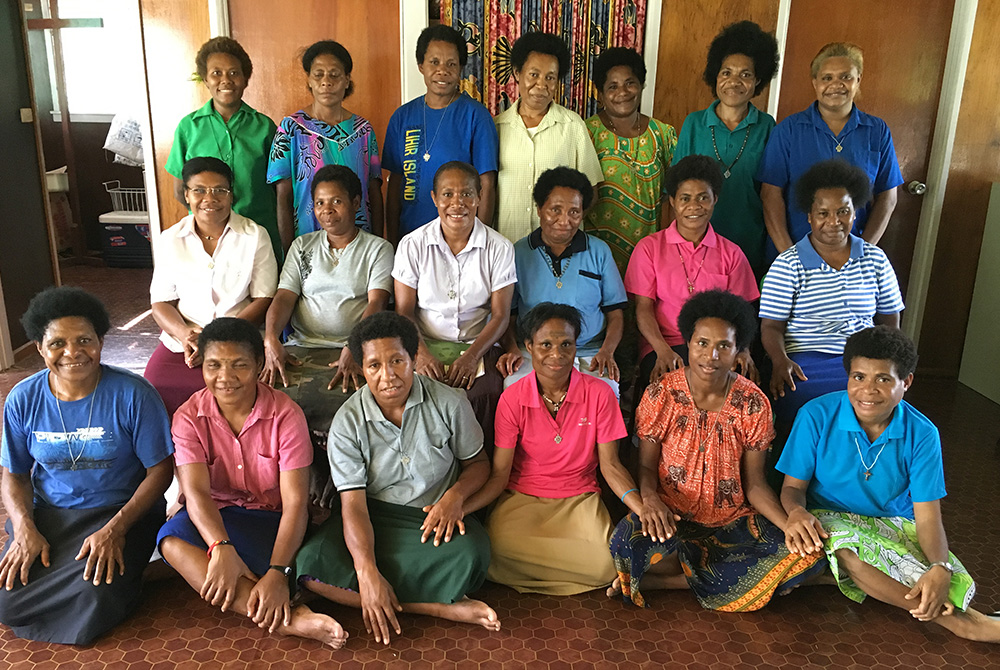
939 164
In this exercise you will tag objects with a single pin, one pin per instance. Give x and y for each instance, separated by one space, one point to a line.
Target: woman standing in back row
324 133
441 126
229 129
832 127
537 133
634 151
741 62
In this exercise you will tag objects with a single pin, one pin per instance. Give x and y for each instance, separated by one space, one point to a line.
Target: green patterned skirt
889 544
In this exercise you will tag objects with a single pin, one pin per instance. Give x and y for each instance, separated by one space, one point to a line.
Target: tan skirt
555 546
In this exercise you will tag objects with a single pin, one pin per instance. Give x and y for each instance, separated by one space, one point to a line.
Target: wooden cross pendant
868 473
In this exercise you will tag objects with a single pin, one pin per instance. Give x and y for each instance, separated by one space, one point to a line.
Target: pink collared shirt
557 457
656 271
244 470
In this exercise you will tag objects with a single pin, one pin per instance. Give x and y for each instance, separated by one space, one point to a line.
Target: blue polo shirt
589 277
823 306
822 449
804 139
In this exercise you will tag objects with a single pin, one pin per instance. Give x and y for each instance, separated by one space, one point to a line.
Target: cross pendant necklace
868 468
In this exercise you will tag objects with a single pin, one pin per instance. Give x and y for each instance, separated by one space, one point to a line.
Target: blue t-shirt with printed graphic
95 453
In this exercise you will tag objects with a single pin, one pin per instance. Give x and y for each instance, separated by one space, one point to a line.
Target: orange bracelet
217 543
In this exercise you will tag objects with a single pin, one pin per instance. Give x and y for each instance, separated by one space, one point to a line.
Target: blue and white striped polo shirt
822 306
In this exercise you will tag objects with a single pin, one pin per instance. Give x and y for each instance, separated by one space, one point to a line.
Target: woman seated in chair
864 481
708 520
822 289
212 263
667 267
86 459
332 279
560 263
243 456
454 278
549 529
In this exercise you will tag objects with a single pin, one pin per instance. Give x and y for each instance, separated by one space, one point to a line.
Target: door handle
916 187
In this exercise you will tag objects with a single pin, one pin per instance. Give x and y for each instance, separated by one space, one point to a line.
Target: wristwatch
944 564
286 570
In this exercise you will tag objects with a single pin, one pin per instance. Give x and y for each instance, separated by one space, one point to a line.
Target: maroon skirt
172 378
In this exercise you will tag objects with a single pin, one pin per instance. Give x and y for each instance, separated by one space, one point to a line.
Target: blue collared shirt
803 139
823 446
587 279
822 306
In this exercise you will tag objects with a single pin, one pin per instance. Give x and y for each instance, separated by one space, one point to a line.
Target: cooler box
125 239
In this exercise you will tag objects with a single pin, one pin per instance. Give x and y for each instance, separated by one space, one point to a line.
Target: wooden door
275 36
905 43
687 28
172 31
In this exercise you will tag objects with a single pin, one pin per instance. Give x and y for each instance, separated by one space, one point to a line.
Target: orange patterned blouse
701 452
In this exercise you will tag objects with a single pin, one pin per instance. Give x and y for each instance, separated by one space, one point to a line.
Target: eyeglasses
206 191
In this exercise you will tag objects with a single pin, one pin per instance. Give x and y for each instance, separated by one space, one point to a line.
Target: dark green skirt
418 572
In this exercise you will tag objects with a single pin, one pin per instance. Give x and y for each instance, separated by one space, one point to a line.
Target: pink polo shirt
542 466
655 271
243 470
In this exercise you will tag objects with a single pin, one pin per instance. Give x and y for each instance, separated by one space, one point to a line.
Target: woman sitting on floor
822 289
549 530
86 459
454 278
213 262
878 516
405 453
560 263
332 279
243 456
709 520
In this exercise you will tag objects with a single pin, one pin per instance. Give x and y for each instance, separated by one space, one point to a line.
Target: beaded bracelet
217 543
627 492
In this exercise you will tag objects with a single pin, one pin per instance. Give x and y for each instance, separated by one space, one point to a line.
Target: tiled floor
813 627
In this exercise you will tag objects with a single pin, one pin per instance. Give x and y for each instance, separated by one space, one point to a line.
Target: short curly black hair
882 343
562 176
461 166
442 33
695 166
339 174
531 323
59 302
833 173
198 164
222 45
613 57
383 325
746 38
543 43
717 304
237 331
330 48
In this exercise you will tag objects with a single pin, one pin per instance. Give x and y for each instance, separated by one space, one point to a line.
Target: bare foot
615 589
467 610
315 626
972 625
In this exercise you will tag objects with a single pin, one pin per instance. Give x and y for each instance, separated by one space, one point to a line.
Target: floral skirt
889 544
732 568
